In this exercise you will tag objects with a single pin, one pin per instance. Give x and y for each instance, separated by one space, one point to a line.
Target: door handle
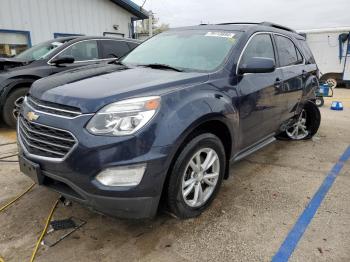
304 74
278 83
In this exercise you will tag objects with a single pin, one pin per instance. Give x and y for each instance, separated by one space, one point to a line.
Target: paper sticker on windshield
220 34
56 43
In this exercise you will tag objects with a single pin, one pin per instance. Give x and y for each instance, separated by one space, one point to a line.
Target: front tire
196 176
12 106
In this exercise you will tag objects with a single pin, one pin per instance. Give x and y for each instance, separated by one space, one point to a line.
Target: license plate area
31 169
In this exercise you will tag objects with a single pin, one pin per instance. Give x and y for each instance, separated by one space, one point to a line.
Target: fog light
122 176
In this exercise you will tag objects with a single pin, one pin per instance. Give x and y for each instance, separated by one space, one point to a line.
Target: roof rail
238 23
277 26
262 23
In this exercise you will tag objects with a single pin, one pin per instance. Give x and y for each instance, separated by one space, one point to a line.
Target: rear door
259 109
292 64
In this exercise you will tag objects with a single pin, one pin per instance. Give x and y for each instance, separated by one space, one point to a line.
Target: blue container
324 89
336 105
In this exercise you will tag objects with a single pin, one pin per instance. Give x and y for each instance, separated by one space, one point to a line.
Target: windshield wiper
162 66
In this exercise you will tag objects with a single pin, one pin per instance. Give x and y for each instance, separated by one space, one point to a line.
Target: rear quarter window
307 52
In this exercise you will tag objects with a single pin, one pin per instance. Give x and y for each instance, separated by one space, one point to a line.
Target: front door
84 52
259 109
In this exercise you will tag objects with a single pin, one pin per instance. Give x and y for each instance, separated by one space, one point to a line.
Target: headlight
124 117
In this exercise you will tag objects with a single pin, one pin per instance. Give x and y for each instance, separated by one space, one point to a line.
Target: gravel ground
253 213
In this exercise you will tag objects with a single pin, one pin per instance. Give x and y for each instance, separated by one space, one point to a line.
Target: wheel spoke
196 194
303 128
211 175
188 182
189 189
209 161
198 161
208 182
200 193
194 166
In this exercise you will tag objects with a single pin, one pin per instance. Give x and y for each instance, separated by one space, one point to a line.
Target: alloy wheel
17 106
200 177
299 130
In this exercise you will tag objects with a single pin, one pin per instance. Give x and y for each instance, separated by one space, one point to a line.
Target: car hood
92 87
7 63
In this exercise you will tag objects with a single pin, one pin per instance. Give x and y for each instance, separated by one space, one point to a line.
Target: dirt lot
248 221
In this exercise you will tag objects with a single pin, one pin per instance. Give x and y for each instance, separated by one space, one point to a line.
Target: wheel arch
14 83
214 124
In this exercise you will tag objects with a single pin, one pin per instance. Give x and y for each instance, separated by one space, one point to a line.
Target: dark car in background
18 73
166 121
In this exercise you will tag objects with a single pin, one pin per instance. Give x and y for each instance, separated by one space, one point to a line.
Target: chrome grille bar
45 141
41 148
51 109
43 134
42 141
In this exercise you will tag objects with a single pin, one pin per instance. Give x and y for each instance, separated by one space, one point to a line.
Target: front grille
45 141
53 108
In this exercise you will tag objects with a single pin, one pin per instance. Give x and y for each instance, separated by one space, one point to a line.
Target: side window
132 45
299 56
259 46
112 48
287 51
82 51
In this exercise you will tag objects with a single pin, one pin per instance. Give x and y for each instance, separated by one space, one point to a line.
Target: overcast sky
298 14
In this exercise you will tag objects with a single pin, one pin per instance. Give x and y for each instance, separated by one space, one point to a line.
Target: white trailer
331 49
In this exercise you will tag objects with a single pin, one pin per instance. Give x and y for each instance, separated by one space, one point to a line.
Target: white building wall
43 18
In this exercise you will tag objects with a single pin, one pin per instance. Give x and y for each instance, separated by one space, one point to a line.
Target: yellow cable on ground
14 200
48 220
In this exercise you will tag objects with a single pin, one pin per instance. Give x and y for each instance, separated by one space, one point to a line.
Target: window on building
287 52
13 43
259 46
82 51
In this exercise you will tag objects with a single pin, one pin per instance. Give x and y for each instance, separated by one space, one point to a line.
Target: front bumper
74 176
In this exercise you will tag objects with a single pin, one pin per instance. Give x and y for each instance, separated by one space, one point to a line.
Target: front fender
11 83
182 112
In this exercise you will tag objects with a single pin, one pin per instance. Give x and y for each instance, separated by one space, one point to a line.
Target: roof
133 8
245 27
79 38
326 30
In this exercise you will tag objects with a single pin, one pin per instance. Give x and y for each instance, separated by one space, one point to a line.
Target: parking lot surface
249 220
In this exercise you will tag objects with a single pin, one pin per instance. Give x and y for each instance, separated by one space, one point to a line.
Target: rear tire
12 105
193 182
309 120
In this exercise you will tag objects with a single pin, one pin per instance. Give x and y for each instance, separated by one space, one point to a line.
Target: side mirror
62 60
258 65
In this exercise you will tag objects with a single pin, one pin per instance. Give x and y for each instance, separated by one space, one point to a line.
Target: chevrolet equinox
164 122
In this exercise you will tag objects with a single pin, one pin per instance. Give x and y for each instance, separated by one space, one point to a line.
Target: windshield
39 51
192 50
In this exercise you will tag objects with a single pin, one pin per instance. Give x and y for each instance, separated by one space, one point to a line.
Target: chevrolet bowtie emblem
31 116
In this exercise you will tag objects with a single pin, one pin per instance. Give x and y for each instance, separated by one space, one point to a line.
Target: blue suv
163 124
